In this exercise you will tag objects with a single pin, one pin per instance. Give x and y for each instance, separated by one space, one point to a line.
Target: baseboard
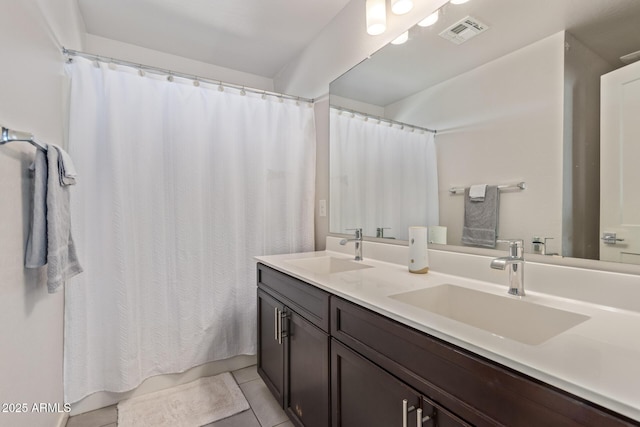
62 419
161 382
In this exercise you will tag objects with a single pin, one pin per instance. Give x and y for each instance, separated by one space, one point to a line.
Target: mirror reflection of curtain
381 176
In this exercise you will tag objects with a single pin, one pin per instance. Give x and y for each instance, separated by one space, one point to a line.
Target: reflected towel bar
9 135
519 186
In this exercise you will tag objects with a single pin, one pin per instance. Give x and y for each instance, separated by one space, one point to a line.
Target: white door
620 165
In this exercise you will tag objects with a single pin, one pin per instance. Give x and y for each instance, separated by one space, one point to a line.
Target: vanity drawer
476 389
308 301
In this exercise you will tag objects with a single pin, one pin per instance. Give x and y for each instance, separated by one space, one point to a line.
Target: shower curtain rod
170 74
382 119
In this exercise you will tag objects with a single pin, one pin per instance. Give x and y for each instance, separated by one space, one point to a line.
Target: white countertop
598 360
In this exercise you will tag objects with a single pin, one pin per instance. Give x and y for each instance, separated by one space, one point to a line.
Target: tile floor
264 411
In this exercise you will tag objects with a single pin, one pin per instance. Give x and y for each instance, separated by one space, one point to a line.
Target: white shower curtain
179 188
381 176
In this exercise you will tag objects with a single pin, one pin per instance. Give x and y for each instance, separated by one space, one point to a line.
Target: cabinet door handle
279 328
281 325
610 238
419 419
276 316
405 411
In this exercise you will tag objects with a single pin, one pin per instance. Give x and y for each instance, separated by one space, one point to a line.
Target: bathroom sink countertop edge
586 360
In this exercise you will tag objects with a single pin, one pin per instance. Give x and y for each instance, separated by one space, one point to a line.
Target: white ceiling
261 37
253 36
609 27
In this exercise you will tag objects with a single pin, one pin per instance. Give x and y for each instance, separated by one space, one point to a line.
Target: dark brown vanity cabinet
476 390
332 362
270 344
363 394
293 345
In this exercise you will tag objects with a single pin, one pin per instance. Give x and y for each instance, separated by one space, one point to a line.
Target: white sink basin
328 264
506 316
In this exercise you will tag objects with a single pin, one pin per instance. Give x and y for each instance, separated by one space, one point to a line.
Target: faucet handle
511 242
380 231
539 244
516 246
358 232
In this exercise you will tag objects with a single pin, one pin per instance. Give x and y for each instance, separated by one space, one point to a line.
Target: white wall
500 123
128 52
342 44
31 99
581 216
351 104
322 171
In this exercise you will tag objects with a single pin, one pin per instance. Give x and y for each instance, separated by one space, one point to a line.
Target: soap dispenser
418 250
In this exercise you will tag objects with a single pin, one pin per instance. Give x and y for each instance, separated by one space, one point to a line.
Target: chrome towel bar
8 135
519 186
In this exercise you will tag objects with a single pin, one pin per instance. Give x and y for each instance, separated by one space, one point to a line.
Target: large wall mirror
517 101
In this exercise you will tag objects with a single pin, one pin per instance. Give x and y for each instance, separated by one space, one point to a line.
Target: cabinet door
619 172
308 391
270 347
434 415
365 395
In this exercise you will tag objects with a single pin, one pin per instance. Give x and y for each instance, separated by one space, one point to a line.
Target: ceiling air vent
464 30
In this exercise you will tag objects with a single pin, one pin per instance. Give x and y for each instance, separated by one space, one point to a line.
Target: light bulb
376 14
430 20
400 7
402 38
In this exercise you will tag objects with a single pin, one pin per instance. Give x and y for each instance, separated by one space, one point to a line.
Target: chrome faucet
380 232
539 245
358 240
515 263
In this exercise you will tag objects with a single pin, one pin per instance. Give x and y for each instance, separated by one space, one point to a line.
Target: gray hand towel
37 242
481 219
66 169
62 260
50 240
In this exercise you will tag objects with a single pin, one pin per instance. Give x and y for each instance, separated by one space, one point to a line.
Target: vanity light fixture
376 14
402 38
458 1
400 7
430 20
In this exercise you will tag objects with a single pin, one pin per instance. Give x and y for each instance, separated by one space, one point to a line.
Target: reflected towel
481 219
477 192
